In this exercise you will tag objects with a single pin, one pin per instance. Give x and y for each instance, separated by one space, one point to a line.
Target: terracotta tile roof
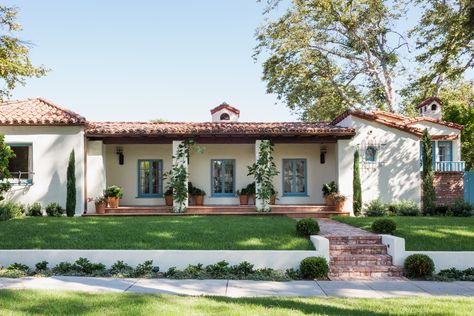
428 101
225 106
397 121
210 129
37 111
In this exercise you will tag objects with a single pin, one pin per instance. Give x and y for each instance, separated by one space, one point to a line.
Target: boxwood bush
419 266
9 210
384 226
307 227
54 209
314 268
34 209
375 208
404 208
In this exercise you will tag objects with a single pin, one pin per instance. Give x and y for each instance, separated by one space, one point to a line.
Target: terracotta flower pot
169 200
244 199
340 206
199 199
272 200
113 202
329 200
100 208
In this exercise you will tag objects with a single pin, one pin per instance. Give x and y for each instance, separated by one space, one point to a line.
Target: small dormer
431 107
225 113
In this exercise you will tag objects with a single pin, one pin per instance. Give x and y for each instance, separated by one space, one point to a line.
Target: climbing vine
263 171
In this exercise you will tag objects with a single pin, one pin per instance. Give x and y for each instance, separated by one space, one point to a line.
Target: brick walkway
332 228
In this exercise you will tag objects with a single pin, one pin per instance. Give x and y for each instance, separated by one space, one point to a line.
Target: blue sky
138 60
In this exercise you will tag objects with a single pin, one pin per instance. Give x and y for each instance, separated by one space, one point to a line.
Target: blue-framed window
222 177
150 178
433 153
371 154
21 166
445 151
294 177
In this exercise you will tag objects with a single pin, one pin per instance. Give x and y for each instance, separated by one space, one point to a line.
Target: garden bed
189 233
423 233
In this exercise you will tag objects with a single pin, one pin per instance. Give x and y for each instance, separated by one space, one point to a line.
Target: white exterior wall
395 176
126 175
233 117
51 146
96 179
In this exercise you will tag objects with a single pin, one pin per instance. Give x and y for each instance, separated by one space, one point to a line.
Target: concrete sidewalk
244 288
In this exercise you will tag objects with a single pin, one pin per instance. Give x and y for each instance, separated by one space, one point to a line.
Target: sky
141 60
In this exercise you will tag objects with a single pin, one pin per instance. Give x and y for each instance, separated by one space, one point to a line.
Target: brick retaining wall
449 187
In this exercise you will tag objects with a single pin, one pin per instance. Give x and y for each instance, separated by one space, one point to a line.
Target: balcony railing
449 166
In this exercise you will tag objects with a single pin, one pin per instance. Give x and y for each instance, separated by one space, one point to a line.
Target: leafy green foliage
454 274
461 208
6 153
356 185
71 186
41 266
144 269
307 227
384 226
263 171
9 210
375 208
404 208
121 269
16 64
419 266
34 209
54 209
19 267
113 191
427 175
314 268
329 188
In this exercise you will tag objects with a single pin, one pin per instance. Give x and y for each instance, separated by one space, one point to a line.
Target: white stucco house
134 155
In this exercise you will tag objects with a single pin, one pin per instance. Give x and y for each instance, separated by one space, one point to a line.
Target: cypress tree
429 194
356 186
71 186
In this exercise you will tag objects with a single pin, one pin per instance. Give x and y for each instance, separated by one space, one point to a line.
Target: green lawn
170 232
427 233
28 302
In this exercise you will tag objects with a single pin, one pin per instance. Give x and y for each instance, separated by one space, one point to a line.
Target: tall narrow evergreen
429 194
71 186
356 186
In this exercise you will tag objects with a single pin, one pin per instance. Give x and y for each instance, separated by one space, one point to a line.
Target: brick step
358 249
353 240
361 260
362 272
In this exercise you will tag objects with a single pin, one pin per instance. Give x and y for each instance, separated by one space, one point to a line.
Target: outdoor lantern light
322 154
119 152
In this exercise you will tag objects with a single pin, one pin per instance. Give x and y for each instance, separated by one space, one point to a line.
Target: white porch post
345 170
183 161
96 173
261 204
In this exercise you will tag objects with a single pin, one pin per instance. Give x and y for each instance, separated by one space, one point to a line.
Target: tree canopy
15 64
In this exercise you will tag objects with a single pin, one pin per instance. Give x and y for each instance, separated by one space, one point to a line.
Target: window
433 153
223 177
225 117
445 151
150 178
371 154
433 107
21 166
294 177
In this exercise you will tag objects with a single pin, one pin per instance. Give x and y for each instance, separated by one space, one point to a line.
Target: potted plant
251 191
198 196
329 189
243 196
339 201
113 194
273 197
169 196
100 203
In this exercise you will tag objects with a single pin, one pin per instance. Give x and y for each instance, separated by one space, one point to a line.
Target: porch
293 211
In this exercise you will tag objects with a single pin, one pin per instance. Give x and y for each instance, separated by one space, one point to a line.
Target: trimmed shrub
419 266
461 208
404 208
9 210
144 269
243 269
54 209
384 226
375 208
441 210
120 268
83 265
314 267
19 267
34 209
307 227
41 266
219 269
71 186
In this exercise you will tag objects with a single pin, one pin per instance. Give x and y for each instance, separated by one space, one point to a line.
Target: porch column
261 204
345 171
183 161
96 175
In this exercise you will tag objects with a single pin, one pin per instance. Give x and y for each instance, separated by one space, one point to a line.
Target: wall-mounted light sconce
119 152
322 154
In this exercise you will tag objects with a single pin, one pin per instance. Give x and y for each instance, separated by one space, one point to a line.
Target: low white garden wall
442 259
275 259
